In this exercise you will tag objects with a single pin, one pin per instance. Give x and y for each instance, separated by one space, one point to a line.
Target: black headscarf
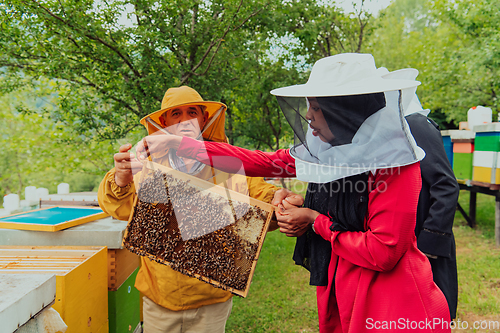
344 201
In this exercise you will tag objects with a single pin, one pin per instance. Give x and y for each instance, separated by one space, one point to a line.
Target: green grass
281 300
479 272
280 297
485 212
478 260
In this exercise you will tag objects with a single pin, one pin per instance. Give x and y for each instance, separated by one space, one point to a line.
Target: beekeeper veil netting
347 120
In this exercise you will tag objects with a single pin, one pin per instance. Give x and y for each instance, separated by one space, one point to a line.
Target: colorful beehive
448 145
485 167
488 137
102 232
486 158
123 297
459 146
124 306
51 218
463 149
81 281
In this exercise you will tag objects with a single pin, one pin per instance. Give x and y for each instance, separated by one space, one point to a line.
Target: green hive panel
462 165
124 307
488 141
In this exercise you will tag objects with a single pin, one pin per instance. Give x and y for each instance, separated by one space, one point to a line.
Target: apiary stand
489 189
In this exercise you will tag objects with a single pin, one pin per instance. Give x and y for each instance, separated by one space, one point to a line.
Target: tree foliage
109 76
478 60
32 153
105 74
453 44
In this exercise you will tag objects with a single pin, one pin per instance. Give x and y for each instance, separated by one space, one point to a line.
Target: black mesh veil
341 136
295 109
343 114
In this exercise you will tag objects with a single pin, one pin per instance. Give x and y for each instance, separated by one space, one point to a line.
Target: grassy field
281 300
478 265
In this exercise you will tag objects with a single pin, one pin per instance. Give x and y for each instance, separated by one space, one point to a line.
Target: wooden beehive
81 281
200 229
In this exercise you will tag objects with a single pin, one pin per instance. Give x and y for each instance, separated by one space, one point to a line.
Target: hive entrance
200 229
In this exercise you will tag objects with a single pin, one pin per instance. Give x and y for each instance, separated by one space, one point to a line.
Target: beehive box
456 144
23 296
487 137
462 165
448 145
200 229
124 306
81 281
486 167
462 158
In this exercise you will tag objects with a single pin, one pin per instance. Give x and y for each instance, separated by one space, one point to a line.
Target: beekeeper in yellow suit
174 302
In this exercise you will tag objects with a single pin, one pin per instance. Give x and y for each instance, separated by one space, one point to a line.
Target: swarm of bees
198 233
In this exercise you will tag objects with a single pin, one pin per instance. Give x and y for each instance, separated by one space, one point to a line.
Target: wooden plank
82 299
34 264
47 251
494 187
74 203
111 269
463 141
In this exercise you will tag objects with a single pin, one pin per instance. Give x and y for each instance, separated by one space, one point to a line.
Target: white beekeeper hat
363 110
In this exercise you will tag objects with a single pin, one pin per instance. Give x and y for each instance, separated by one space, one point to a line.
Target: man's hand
295 221
126 165
156 142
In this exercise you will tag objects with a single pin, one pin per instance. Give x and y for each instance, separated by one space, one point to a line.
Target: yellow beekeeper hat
179 96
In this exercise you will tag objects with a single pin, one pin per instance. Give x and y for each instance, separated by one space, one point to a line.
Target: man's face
187 120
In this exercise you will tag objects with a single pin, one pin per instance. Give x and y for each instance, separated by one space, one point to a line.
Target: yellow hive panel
486 175
81 281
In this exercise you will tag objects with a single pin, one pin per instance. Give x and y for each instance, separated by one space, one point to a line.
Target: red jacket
378 279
